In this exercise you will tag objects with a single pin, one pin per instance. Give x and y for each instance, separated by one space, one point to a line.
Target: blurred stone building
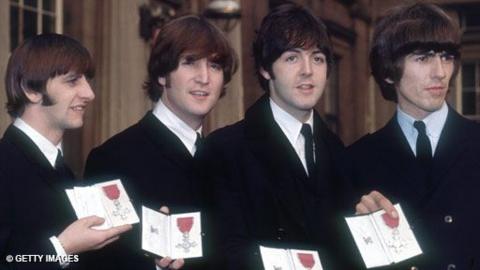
117 33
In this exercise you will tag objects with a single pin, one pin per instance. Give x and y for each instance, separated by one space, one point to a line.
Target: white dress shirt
184 132
291 128
50 151
434 124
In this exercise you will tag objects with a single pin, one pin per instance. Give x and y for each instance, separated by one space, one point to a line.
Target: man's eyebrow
423 51
189 56
72 75
297 50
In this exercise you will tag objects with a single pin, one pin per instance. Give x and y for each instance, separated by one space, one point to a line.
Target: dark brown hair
286 27
406 29
192 34
39 59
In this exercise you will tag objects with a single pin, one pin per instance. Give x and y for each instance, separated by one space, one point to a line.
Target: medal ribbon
111 191
306 260
185 224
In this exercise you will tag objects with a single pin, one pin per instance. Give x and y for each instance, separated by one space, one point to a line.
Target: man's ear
389 81
265 74
33 96
162 81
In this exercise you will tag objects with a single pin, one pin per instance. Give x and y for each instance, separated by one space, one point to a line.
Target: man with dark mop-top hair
427 156
190 64
272 174
47 92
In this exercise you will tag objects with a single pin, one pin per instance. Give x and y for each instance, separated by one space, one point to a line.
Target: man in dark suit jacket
426 157
47 92
273 178
189 66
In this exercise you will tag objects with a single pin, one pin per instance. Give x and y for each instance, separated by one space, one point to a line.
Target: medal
184 225
113 193
395 242
306 260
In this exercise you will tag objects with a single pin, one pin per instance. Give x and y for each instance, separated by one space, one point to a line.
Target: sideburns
47 100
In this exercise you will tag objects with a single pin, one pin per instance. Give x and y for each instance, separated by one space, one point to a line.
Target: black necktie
59 162
424 148
306 131
62 169
198 141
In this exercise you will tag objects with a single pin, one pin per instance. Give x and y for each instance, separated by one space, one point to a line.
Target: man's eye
319 59
216 66
188 61
73 81
448 57
423 58
291 58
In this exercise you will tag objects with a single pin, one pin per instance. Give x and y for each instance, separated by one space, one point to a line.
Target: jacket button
448 219
414 268
280 233
451 267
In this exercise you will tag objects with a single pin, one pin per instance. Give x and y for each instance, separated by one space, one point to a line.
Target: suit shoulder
365 142
124 138
227 134
8 151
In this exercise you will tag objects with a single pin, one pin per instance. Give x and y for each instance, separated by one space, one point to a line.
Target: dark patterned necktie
306 131
61 168
424 148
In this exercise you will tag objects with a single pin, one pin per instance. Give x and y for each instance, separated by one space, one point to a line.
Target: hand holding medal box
108 200
383 240
290 259
176 236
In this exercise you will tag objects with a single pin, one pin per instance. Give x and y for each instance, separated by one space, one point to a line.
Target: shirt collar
184 132
47 148
434 122
289 124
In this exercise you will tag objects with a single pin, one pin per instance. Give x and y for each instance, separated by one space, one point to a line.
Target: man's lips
435 88
305 86
79 108
199 93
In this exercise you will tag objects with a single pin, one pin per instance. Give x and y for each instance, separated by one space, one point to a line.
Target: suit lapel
40 164
323 154
285 171
395 151
166 141
452 143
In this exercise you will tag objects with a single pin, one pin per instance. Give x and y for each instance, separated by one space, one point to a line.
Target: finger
384 203
361 209
93 221
165 210
177 264
164 262
106 242
115 231
368 202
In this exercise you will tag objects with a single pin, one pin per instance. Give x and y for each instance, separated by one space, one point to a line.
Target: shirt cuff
60 252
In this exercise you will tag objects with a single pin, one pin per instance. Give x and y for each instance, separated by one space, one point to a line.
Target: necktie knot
424 148
420 126
59 161
306 131
199 140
